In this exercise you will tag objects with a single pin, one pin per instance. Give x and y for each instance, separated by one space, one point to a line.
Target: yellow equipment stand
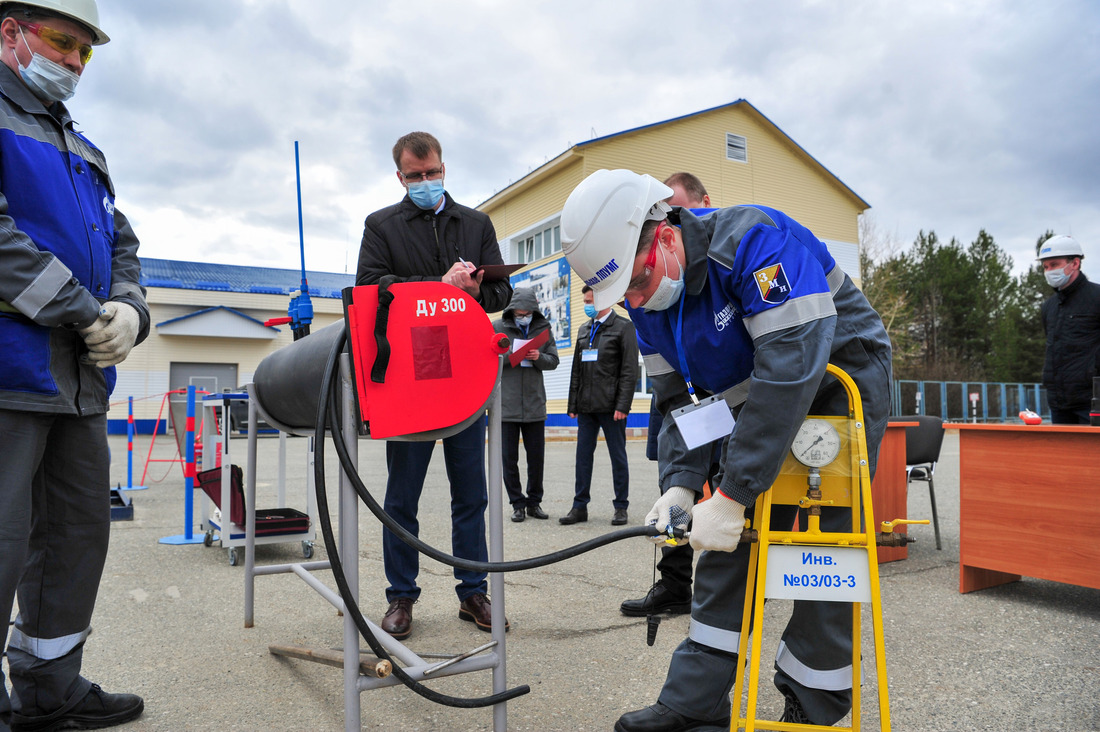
851 559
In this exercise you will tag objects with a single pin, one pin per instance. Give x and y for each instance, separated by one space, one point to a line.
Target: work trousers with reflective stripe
814 660
55 520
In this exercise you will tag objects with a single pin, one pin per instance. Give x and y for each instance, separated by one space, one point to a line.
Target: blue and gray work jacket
765 309
65 249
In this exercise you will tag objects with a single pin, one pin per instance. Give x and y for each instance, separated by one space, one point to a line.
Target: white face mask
1056 278
669 290
49 81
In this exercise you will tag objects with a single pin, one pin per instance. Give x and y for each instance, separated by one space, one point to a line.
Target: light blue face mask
523 321
590 310
1056 278
49 81
426 193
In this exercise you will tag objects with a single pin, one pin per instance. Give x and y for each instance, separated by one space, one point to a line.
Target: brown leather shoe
478 610
399 618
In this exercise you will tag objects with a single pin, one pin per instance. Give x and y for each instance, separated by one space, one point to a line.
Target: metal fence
970 401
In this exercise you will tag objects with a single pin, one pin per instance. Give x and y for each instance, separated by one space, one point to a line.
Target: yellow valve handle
807 502
888 526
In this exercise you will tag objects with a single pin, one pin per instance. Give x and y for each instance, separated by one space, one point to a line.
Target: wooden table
889 491
1027 504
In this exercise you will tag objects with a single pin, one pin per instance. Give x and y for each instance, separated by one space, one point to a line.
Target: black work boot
96 710
659 718
659 599
793 711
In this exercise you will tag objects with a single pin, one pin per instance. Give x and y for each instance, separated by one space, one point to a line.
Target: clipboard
497 272
520 347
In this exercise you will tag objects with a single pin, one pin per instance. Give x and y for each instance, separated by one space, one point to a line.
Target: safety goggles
638 283
60 42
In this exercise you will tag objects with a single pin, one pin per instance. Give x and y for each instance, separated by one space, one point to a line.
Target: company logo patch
772 283
108 206
723 318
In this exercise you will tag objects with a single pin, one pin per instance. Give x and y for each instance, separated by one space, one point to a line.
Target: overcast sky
944 116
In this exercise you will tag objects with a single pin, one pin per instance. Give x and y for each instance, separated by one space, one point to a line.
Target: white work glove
717 524
676 497
111 337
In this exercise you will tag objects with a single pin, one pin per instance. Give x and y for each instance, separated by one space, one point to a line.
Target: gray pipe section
287 384
287 387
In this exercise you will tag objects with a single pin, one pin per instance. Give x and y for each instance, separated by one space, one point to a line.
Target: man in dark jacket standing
1071 320
523 400
427 236
601 390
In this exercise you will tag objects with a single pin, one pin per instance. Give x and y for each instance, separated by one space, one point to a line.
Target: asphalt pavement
169 620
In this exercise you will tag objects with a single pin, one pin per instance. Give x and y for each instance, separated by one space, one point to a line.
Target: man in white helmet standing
71 307
1071 321
747 304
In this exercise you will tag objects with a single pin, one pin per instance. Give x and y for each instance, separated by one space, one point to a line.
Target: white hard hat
600 225
1060 246
84 12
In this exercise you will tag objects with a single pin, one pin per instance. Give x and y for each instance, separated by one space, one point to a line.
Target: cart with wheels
222 487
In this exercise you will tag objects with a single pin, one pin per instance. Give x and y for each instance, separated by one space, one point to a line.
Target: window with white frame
540 242
737 148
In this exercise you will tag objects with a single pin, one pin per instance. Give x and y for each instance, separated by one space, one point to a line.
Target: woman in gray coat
523 401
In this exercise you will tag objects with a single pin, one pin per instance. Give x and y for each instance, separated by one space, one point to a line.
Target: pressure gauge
817 443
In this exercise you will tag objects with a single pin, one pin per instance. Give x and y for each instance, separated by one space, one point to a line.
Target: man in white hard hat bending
71 307
1071 321
747 304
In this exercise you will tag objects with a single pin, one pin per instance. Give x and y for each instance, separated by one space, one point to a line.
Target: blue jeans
614 433
464 455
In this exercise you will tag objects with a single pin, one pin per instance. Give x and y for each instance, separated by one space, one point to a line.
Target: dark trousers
534 444
55 522
1069 416
614 433
464 455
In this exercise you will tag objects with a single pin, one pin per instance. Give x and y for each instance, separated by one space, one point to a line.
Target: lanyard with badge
703 421
590 354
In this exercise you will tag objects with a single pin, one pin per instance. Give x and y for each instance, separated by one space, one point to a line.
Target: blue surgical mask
523 321
426 193
668 291
590 310
1056 278
49 81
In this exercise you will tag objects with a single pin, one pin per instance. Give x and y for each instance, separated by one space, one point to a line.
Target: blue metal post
188 536
130 450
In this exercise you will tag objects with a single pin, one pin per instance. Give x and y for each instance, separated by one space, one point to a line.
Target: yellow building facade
741 158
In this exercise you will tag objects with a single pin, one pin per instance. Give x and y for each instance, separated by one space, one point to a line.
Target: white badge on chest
705 422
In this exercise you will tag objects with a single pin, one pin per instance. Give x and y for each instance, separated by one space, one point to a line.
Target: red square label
431 352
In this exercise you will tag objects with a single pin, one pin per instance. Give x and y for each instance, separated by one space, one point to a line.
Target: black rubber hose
352 471
351 605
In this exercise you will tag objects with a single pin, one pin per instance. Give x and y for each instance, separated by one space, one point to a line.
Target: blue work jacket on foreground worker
765 309
65 249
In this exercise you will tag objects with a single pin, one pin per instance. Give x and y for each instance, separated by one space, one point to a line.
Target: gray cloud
946 116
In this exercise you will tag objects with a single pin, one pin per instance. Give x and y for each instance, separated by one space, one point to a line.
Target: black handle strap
381 324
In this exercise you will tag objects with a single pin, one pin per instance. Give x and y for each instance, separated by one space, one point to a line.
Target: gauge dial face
817 443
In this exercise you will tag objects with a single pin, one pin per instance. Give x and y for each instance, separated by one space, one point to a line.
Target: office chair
922 452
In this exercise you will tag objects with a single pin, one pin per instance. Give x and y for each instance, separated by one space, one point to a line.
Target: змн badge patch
772 283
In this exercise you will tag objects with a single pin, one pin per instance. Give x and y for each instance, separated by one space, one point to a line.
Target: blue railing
980 401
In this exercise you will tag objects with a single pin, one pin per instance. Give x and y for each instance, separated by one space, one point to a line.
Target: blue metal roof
233 278
197 313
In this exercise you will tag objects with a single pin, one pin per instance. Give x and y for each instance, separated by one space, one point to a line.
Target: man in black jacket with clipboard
427 236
